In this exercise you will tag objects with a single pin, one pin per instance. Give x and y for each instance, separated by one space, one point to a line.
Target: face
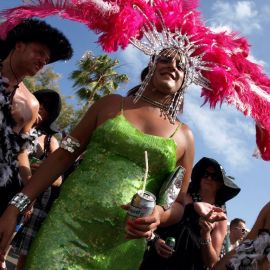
210 180
32 56
239 230
42 115
169 73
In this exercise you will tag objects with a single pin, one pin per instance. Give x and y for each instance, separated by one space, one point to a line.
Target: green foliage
96 77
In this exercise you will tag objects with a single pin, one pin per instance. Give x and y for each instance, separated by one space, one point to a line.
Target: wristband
20 201
205 242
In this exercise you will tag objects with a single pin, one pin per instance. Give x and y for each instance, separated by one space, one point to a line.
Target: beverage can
170 241
142 204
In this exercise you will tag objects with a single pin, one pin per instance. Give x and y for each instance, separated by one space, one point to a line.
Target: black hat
227 191
34 30
53 108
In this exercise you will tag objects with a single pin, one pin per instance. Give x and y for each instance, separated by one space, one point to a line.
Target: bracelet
205 242
70 144
20 201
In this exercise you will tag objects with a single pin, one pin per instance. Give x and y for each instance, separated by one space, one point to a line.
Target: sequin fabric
85 228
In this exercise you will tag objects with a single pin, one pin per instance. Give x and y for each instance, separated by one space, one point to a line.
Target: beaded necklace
155 103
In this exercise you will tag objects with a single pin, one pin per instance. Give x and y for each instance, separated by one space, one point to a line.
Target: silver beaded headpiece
164 41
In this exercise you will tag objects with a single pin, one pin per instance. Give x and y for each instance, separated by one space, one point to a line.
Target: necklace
155 103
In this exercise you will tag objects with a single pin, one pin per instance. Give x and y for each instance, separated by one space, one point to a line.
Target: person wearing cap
24 50
49 109
198 241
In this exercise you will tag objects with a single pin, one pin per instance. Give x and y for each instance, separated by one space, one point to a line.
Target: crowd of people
80 224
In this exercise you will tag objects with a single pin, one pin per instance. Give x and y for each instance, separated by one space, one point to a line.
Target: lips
169 74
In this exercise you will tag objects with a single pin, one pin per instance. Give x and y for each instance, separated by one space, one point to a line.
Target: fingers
125 206
162 249
135 230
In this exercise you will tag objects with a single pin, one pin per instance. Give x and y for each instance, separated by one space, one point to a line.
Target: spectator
254 251
25 49
198 242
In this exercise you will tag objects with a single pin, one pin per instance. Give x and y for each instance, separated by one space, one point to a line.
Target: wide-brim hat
34 30
55 108
227 191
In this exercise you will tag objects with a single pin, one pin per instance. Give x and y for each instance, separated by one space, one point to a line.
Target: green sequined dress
85 228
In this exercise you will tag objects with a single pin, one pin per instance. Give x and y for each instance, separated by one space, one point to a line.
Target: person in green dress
85 228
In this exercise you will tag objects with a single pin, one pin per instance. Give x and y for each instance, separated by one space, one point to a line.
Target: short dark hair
236 221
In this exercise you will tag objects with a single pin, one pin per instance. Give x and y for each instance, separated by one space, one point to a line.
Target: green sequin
85 228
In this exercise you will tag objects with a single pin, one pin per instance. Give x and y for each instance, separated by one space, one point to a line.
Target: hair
236 221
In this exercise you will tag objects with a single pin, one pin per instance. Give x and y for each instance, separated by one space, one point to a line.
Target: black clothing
187 255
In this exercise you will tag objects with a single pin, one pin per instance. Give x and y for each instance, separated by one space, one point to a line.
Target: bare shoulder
109 100
29 97
187 133
108 106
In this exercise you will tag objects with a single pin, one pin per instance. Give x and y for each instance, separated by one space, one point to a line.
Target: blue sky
223 134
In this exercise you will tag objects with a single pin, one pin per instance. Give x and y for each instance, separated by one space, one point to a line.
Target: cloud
225 132
240 15
133 61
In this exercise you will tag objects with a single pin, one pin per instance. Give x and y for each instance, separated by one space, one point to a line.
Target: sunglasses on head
213 175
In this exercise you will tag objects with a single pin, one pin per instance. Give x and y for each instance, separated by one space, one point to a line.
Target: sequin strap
177 128
70 144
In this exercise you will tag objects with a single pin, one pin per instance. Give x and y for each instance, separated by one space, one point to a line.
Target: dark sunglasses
168 59
243 230
210 174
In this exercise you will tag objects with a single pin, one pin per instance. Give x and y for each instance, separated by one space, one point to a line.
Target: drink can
142 204
170 241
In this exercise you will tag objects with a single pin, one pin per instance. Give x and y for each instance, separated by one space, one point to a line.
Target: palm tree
96 77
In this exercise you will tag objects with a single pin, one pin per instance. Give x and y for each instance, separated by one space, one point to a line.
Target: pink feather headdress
219 60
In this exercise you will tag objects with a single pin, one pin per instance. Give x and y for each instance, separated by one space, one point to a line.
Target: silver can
142 204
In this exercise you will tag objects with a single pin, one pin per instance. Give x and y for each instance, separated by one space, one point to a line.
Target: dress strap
177 128
122 105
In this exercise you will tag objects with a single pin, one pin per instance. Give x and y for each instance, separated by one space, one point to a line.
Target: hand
141 227
35 166
27 215
210 212
7 227
162 249
206 228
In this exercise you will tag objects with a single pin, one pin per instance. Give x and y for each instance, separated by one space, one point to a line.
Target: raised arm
212 237
52 168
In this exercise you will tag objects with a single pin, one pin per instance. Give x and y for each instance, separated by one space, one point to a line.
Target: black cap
34 30
227 191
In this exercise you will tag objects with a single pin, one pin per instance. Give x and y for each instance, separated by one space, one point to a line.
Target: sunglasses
210 174
164 59
243 230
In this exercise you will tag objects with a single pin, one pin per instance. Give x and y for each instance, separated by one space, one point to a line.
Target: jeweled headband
229 77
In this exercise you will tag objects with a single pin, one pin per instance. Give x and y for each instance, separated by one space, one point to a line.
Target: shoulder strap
122 105
177 128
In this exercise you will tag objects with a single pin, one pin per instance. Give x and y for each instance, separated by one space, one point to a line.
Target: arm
24 166
262 222
54 145
212 237
50 169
